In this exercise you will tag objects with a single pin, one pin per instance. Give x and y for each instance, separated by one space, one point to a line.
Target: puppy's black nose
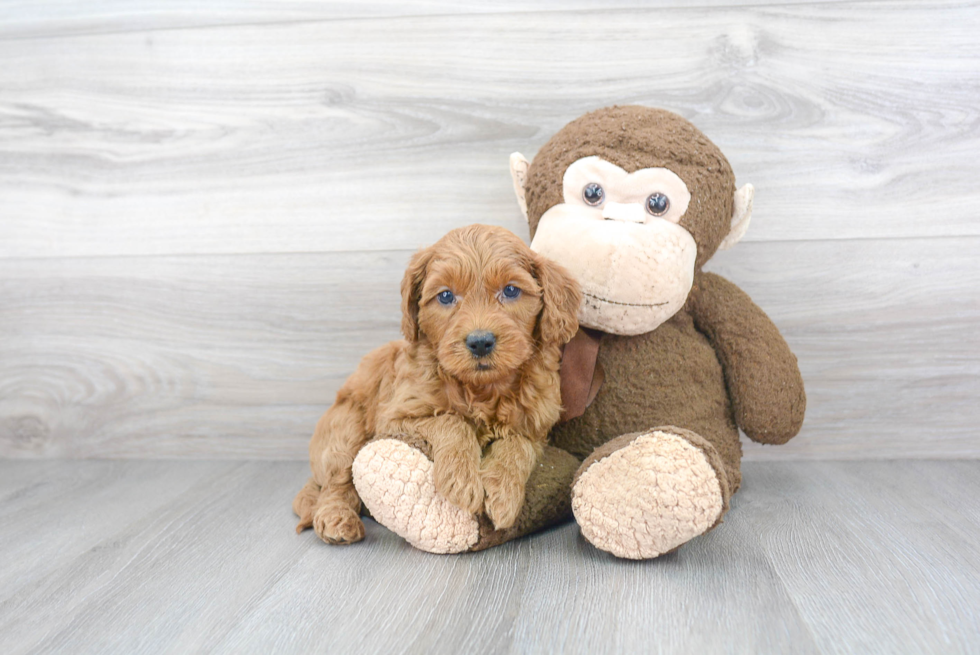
480 342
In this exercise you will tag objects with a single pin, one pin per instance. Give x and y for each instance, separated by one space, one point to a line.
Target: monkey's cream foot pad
647 498
396 484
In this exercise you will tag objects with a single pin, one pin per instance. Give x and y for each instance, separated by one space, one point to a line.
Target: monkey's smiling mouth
626 304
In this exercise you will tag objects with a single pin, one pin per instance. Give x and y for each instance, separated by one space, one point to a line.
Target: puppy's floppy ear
411 290
561 296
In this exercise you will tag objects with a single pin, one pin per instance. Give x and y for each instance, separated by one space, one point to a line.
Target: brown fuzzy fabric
717 364
763 378
634 138
670 376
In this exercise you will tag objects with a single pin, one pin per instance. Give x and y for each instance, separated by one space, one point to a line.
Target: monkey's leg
395 479
329 502
645 494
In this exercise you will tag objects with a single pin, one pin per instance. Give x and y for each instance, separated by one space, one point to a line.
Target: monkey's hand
762 374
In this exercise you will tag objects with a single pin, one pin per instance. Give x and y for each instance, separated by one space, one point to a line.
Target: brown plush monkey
632 201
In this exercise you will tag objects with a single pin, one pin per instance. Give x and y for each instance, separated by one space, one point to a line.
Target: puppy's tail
304 504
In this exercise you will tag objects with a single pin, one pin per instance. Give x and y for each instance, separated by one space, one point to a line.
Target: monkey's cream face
618 234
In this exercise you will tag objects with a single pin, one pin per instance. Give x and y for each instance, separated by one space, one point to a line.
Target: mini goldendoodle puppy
484 319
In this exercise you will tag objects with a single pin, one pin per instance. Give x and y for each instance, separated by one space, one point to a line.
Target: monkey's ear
518 172
411 290
741 216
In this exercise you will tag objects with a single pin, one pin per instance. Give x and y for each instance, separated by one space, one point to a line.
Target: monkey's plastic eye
593 194
658 204
446 298
511 292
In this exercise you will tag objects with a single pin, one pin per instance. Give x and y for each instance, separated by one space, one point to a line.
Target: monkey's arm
763 378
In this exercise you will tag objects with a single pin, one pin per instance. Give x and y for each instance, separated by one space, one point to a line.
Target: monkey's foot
395 482
645 494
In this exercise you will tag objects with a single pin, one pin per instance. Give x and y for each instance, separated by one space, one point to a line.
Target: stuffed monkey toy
670 363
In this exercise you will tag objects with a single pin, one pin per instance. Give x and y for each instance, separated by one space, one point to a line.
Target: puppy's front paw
505 496
458 480
338 525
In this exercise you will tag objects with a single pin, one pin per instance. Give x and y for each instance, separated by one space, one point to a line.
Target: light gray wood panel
19 19
185 356
732 598
156 573
237 356
902 560
76 507
852 119
813 557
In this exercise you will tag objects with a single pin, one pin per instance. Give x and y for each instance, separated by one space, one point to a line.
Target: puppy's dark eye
658 204
511 292
593 194
446 298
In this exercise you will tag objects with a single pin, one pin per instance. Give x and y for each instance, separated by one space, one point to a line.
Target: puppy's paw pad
461 486
396 483
338 526
504 501
466 495
503 511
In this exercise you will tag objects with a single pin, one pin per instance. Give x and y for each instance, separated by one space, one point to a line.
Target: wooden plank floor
164 556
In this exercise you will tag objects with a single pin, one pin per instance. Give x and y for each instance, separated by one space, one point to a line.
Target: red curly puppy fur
485 408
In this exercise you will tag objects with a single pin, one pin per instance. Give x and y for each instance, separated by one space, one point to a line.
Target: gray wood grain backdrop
205 208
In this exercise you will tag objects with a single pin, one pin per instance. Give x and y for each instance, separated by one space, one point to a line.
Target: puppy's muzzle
480 343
